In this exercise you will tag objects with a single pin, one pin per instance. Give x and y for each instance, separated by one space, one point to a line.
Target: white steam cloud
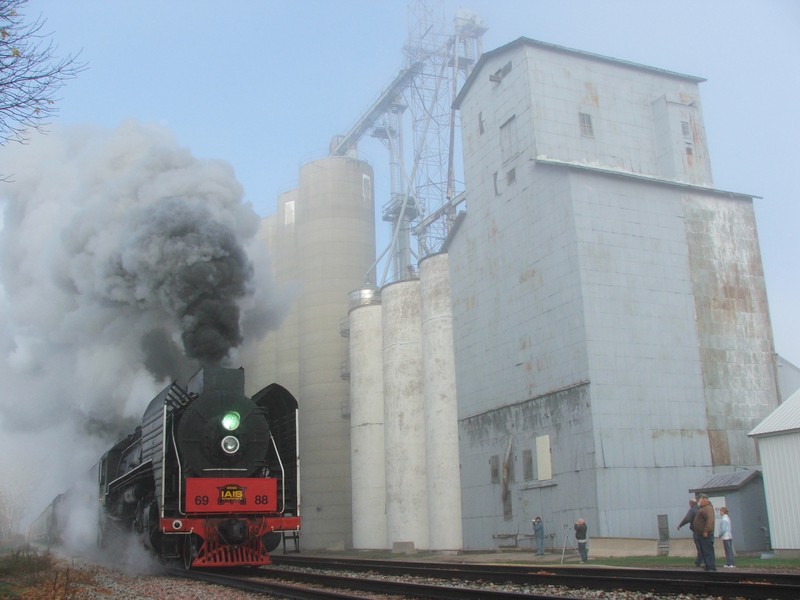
124 262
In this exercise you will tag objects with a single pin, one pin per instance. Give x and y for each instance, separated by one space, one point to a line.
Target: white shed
778 440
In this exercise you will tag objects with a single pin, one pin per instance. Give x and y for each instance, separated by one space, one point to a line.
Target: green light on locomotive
231 421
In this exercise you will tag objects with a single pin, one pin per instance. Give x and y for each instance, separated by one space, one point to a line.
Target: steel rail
748 584
259 586
261 581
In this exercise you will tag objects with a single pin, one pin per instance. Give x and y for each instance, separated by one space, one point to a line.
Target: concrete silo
367 421
406 481
285 242
335 242
275 358
440 405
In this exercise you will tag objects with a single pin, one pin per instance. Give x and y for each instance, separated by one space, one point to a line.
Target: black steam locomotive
210 477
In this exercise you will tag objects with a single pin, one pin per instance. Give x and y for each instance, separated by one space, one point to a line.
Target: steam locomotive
209 478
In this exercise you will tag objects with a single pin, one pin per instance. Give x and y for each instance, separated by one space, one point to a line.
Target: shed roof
727 482
784 419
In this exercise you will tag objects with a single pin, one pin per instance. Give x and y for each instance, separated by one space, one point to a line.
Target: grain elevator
591 338
612 334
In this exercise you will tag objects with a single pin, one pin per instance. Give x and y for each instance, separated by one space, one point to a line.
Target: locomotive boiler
210 477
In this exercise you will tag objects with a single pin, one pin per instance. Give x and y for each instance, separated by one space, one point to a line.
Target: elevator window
587 130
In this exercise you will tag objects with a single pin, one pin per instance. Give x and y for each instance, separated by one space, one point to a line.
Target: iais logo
231 494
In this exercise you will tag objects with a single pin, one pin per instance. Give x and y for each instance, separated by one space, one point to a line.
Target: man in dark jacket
703 525
688 520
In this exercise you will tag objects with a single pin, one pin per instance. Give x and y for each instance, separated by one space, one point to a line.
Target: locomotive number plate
231 495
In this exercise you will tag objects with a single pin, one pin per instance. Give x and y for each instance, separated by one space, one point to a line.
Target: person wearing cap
583 539
538 533
704 526
688 520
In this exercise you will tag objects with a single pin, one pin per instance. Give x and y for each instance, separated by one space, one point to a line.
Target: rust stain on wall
720 453
527 275
591 97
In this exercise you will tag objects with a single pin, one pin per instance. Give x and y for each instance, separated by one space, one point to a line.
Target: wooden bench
506 540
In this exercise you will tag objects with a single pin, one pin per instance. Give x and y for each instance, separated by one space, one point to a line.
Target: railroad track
726 584
473 581
260 585
315 586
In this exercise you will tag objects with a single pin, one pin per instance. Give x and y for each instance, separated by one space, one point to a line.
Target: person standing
688 520
704 526
583 539
726 535
538 533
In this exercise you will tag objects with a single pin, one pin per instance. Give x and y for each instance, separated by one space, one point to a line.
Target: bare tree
30 73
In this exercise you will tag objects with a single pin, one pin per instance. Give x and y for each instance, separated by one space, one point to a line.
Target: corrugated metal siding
782 484
784 418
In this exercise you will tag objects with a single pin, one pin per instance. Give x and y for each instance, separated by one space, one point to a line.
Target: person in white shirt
726 535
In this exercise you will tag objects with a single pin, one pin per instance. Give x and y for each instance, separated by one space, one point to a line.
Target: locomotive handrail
283 473
181 506
225 469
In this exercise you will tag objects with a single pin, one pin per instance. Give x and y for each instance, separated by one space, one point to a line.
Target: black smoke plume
125 262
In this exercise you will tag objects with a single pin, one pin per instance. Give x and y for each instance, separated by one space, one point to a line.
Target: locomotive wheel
271 541
190 548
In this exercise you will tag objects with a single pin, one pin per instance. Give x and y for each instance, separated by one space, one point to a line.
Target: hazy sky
265 85
202 99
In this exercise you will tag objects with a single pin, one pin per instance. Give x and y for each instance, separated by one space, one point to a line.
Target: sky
236 96
265 85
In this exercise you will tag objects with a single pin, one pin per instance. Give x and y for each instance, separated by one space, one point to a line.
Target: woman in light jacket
726 535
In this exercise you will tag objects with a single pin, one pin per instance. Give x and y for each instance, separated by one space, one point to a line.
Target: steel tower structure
424 188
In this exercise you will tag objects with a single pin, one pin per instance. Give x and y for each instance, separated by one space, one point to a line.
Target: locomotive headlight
230 444
231 421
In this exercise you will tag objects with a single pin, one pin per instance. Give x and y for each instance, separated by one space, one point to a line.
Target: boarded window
587 130
527 464
508 140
